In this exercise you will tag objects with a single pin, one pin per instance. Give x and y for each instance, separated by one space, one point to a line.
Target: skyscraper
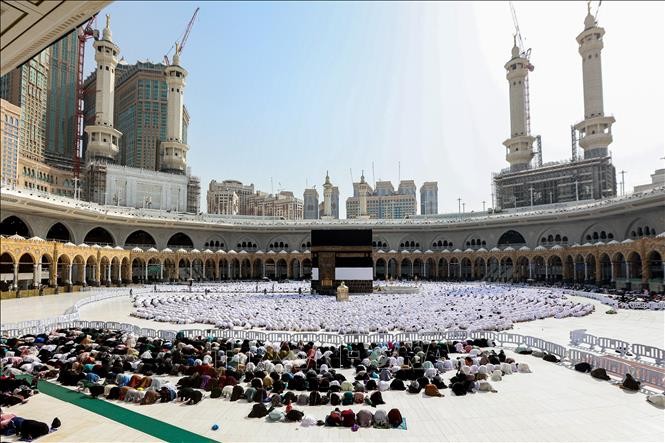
311 204
220 197
383 202
61 103
10 116
27 88
429 198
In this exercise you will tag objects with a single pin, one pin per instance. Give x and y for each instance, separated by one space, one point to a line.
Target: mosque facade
56 242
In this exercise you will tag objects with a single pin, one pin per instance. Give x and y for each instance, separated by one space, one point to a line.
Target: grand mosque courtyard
553 402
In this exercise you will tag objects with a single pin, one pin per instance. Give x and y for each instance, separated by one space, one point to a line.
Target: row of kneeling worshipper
629 383
364 418
15 391
120 365
435 307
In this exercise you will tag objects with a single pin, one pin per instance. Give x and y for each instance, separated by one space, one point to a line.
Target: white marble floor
551 404
78 425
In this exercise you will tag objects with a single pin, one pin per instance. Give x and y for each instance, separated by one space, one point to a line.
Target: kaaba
342 255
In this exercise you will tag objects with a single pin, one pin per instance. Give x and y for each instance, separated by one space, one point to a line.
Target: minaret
102 137
362 197
327 197
519 147
596 129
174 151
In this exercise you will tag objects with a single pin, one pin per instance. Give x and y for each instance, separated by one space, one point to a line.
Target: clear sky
290 90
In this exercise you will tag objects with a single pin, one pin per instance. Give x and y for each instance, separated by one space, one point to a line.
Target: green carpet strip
140 422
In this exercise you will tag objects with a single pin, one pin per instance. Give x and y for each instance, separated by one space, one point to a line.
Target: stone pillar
191 265
264 269
36 274
119 272
302 274
53 273
98 272
586 271
599 271
108 273
645 273
612 271
85 271
146 272
204 270
546 271
530 270
161 271
69 273
627 270
15 275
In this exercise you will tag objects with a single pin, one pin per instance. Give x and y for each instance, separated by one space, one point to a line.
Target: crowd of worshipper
435 307
276 378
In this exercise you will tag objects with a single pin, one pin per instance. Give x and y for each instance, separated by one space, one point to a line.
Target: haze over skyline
290 90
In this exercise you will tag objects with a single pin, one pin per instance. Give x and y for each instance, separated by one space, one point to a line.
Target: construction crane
84 33
595 16
179 46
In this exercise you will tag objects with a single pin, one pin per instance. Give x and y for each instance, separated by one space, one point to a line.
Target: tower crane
179 46
595 16
84 33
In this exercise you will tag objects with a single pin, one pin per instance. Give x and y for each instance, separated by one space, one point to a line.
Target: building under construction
587 176
556 182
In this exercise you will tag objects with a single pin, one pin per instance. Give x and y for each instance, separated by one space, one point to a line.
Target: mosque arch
140 238
597 232
655 265
511 238
60 232
14 225
180 240
380 269
99 236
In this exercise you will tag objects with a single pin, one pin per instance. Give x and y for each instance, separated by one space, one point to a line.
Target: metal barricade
613 344
576 356
642 351
651 376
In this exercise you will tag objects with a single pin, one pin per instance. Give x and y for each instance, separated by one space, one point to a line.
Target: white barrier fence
579 337
648 375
